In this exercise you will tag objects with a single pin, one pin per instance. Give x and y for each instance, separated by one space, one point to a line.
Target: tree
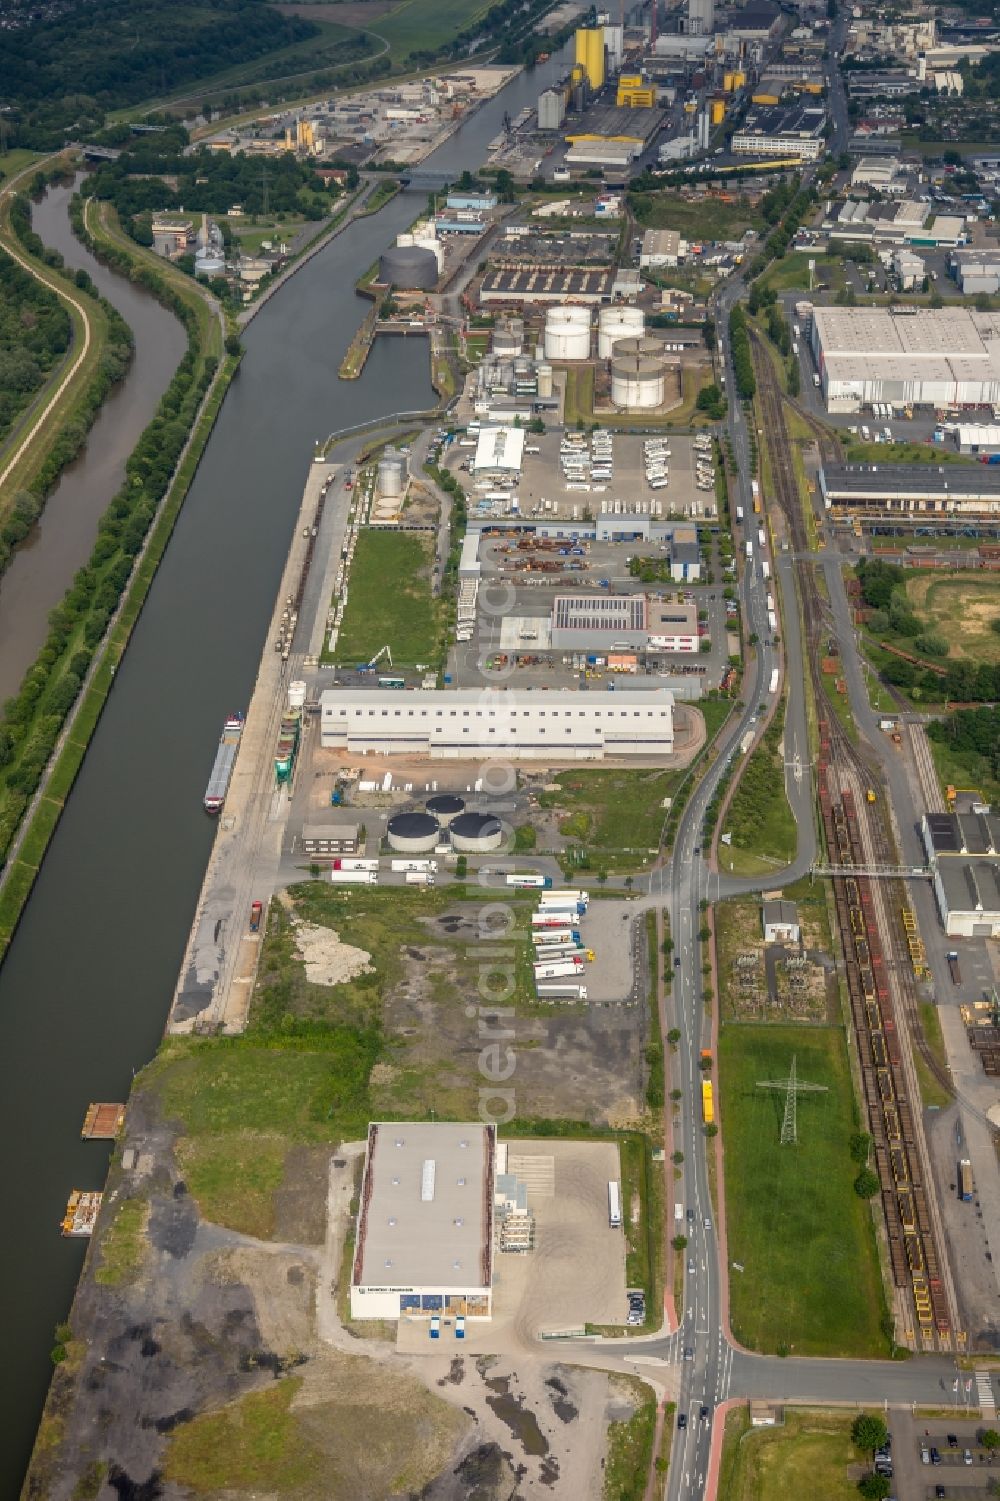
869 1432
711 1129
679 1242
989 1439
866 1184
705 1063
676 1094
674 1036
874 1487
233 345
860 1145
677 1158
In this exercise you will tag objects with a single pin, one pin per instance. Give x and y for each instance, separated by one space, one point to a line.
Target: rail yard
880 951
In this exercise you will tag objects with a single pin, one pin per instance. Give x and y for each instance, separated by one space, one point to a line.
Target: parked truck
524 882
558 969
561 992
953 969
419 878
350 862
256 911
403 865
965 1186
354 877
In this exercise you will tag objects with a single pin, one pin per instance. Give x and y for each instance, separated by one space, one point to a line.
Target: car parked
682 1420
953 1441
935 1455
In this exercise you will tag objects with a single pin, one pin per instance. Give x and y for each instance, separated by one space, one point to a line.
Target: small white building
500 450
963 851
781 922
661 247
424 1239
457 724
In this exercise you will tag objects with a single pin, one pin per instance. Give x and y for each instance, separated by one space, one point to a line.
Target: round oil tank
508 337
209 264
476 833
413 833
637 382
544 373
409 266
567 333
614 323
445 807
646 348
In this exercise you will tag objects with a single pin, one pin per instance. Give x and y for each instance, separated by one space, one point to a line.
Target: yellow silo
718 111
590 54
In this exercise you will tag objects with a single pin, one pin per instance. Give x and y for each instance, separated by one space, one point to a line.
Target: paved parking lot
915 1481
608 928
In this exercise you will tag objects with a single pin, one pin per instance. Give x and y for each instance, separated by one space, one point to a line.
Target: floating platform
81 1213
103 1122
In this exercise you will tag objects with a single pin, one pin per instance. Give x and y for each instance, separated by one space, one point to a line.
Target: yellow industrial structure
765 98
635 92
590 54
302 137
733 81
718 111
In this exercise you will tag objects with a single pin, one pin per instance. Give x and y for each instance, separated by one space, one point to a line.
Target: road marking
984 1389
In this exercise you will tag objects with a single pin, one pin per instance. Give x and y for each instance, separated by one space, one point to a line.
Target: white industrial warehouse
927 357
963 851
450 724
424 1242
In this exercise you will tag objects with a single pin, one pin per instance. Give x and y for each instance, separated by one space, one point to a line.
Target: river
87 983
44 564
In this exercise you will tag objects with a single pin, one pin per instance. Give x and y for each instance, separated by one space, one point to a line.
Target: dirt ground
570 1062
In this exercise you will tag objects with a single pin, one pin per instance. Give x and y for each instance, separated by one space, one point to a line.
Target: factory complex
940 357
963 851
928 491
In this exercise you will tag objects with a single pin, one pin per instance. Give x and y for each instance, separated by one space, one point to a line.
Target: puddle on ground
563 1408
519 1419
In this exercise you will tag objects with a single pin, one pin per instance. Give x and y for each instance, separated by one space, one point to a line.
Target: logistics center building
938 357
424 1242
456 724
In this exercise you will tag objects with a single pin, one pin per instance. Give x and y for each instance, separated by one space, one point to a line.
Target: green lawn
793 271
809 1454
957 768
630 1443
703 219
962 607
759 818
900 453
390 601
810 1284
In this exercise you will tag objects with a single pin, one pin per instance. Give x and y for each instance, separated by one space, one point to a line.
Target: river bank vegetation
103 364
158 473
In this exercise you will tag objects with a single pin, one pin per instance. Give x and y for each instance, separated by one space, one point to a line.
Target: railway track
878 936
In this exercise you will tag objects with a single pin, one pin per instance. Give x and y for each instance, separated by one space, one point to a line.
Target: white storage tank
508 337
544 373
413 833
615 323
476 833
567 333
392 473
445 807
637 382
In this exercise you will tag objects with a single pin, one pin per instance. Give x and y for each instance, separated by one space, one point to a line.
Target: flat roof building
782 130
547 283
424 1241
588 622
928 357
499 450
919 490
459 724
963 850
976 270
661 247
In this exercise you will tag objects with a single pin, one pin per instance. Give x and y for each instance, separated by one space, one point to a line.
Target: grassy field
702 219
391 601
630 1443
857 452
617 816
282 1441
423 25
123 1246
810 1454
792 271
759 818
810 1284
962 608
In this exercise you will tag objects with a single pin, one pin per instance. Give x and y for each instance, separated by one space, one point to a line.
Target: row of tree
739 342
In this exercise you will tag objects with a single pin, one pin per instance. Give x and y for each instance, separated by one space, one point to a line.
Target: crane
376 659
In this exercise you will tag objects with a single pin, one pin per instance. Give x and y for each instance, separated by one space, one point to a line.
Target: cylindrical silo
637 382
410 266
567 333
544 373
476 833
391 472
615 323
646 348
445 807
413 833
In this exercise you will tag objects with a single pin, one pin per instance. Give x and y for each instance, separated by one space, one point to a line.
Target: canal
87 982
44 564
